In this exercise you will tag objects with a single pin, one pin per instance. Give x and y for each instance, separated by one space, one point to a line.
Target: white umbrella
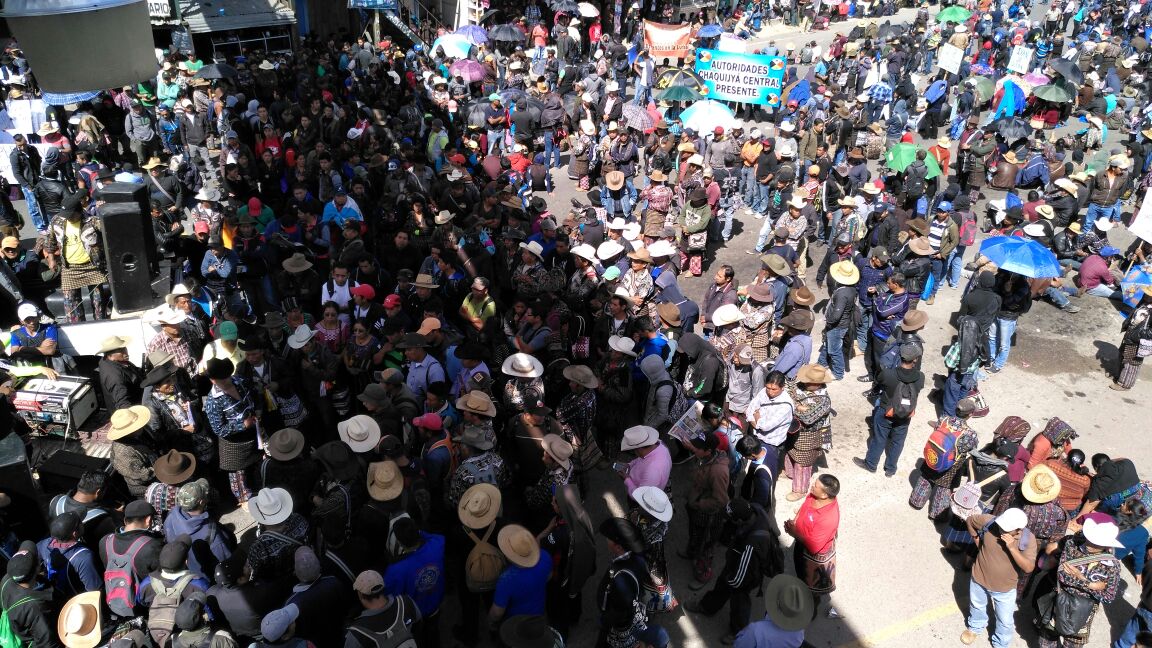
587 10
703 116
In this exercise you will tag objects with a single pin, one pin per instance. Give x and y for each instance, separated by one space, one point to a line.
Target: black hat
65 526
220 368
190 614
25 564
138 509
174 555
245 345
707 442
470 351
622 532
739 509
70 203
159 374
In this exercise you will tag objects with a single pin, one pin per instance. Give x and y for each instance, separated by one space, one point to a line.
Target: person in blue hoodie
211 543
419 573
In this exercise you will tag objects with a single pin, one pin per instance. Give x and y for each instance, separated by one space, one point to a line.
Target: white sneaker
758 216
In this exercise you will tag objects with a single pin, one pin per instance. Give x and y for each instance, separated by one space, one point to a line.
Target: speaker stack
129 245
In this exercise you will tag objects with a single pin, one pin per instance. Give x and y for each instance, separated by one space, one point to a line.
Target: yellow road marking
896 629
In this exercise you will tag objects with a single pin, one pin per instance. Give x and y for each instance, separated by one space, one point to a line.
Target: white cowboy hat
560 450
300 336
654 501
270 506
625 345
79 623
639 436
661 248
608 249
522 365
727 314
361 433
586 252
535 248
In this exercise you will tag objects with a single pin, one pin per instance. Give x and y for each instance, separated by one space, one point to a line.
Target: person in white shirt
338 289
770 416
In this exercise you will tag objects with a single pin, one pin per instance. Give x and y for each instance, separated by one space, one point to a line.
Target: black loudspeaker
129 245
61 472
16 480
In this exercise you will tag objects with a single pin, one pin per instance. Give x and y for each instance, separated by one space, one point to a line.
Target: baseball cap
1011 520
306 565
10 242
428 325
363 290
192 495
138 509
25 564
276 623
392 301
200 227
369 583
389 376
430 421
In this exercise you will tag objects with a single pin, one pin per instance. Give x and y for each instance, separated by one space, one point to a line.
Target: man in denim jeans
25 162
838 318
1006 549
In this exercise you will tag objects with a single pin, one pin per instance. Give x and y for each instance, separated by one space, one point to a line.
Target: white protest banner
1021 59
1141 225
950 58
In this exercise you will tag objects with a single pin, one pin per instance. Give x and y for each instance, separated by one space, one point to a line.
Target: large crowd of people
387 345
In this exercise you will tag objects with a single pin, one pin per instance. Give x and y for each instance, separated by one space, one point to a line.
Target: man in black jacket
29 607
164 188
25 162
135 541
753 543
194 129
838 319
119 378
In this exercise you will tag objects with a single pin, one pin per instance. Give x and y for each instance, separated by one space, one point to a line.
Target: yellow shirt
74 251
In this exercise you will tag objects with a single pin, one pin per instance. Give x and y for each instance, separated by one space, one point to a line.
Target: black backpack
903 403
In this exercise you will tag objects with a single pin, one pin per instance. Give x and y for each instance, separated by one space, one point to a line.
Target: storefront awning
226 15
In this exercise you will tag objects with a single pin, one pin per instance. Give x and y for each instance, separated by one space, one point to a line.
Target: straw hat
127 421
79 622
152 163
920 246
727 314
1066 185
845 273
614 180
522 365
1040 485
1046 212
581 375
479 506
1010 158
654 501
476 402
270 506
776 264
113 343
812 373
385 482
914 320
444 217
519 546
559 449
425 281
361 433
641 255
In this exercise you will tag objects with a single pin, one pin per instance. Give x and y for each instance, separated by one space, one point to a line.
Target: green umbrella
955 14
983 86
901 155
1053 93
678 93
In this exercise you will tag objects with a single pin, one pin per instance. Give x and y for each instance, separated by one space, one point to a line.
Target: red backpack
967 232
120 578
940 450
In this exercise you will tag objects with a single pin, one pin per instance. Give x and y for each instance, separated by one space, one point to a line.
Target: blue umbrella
475 34
708 31
1023 256
454 45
